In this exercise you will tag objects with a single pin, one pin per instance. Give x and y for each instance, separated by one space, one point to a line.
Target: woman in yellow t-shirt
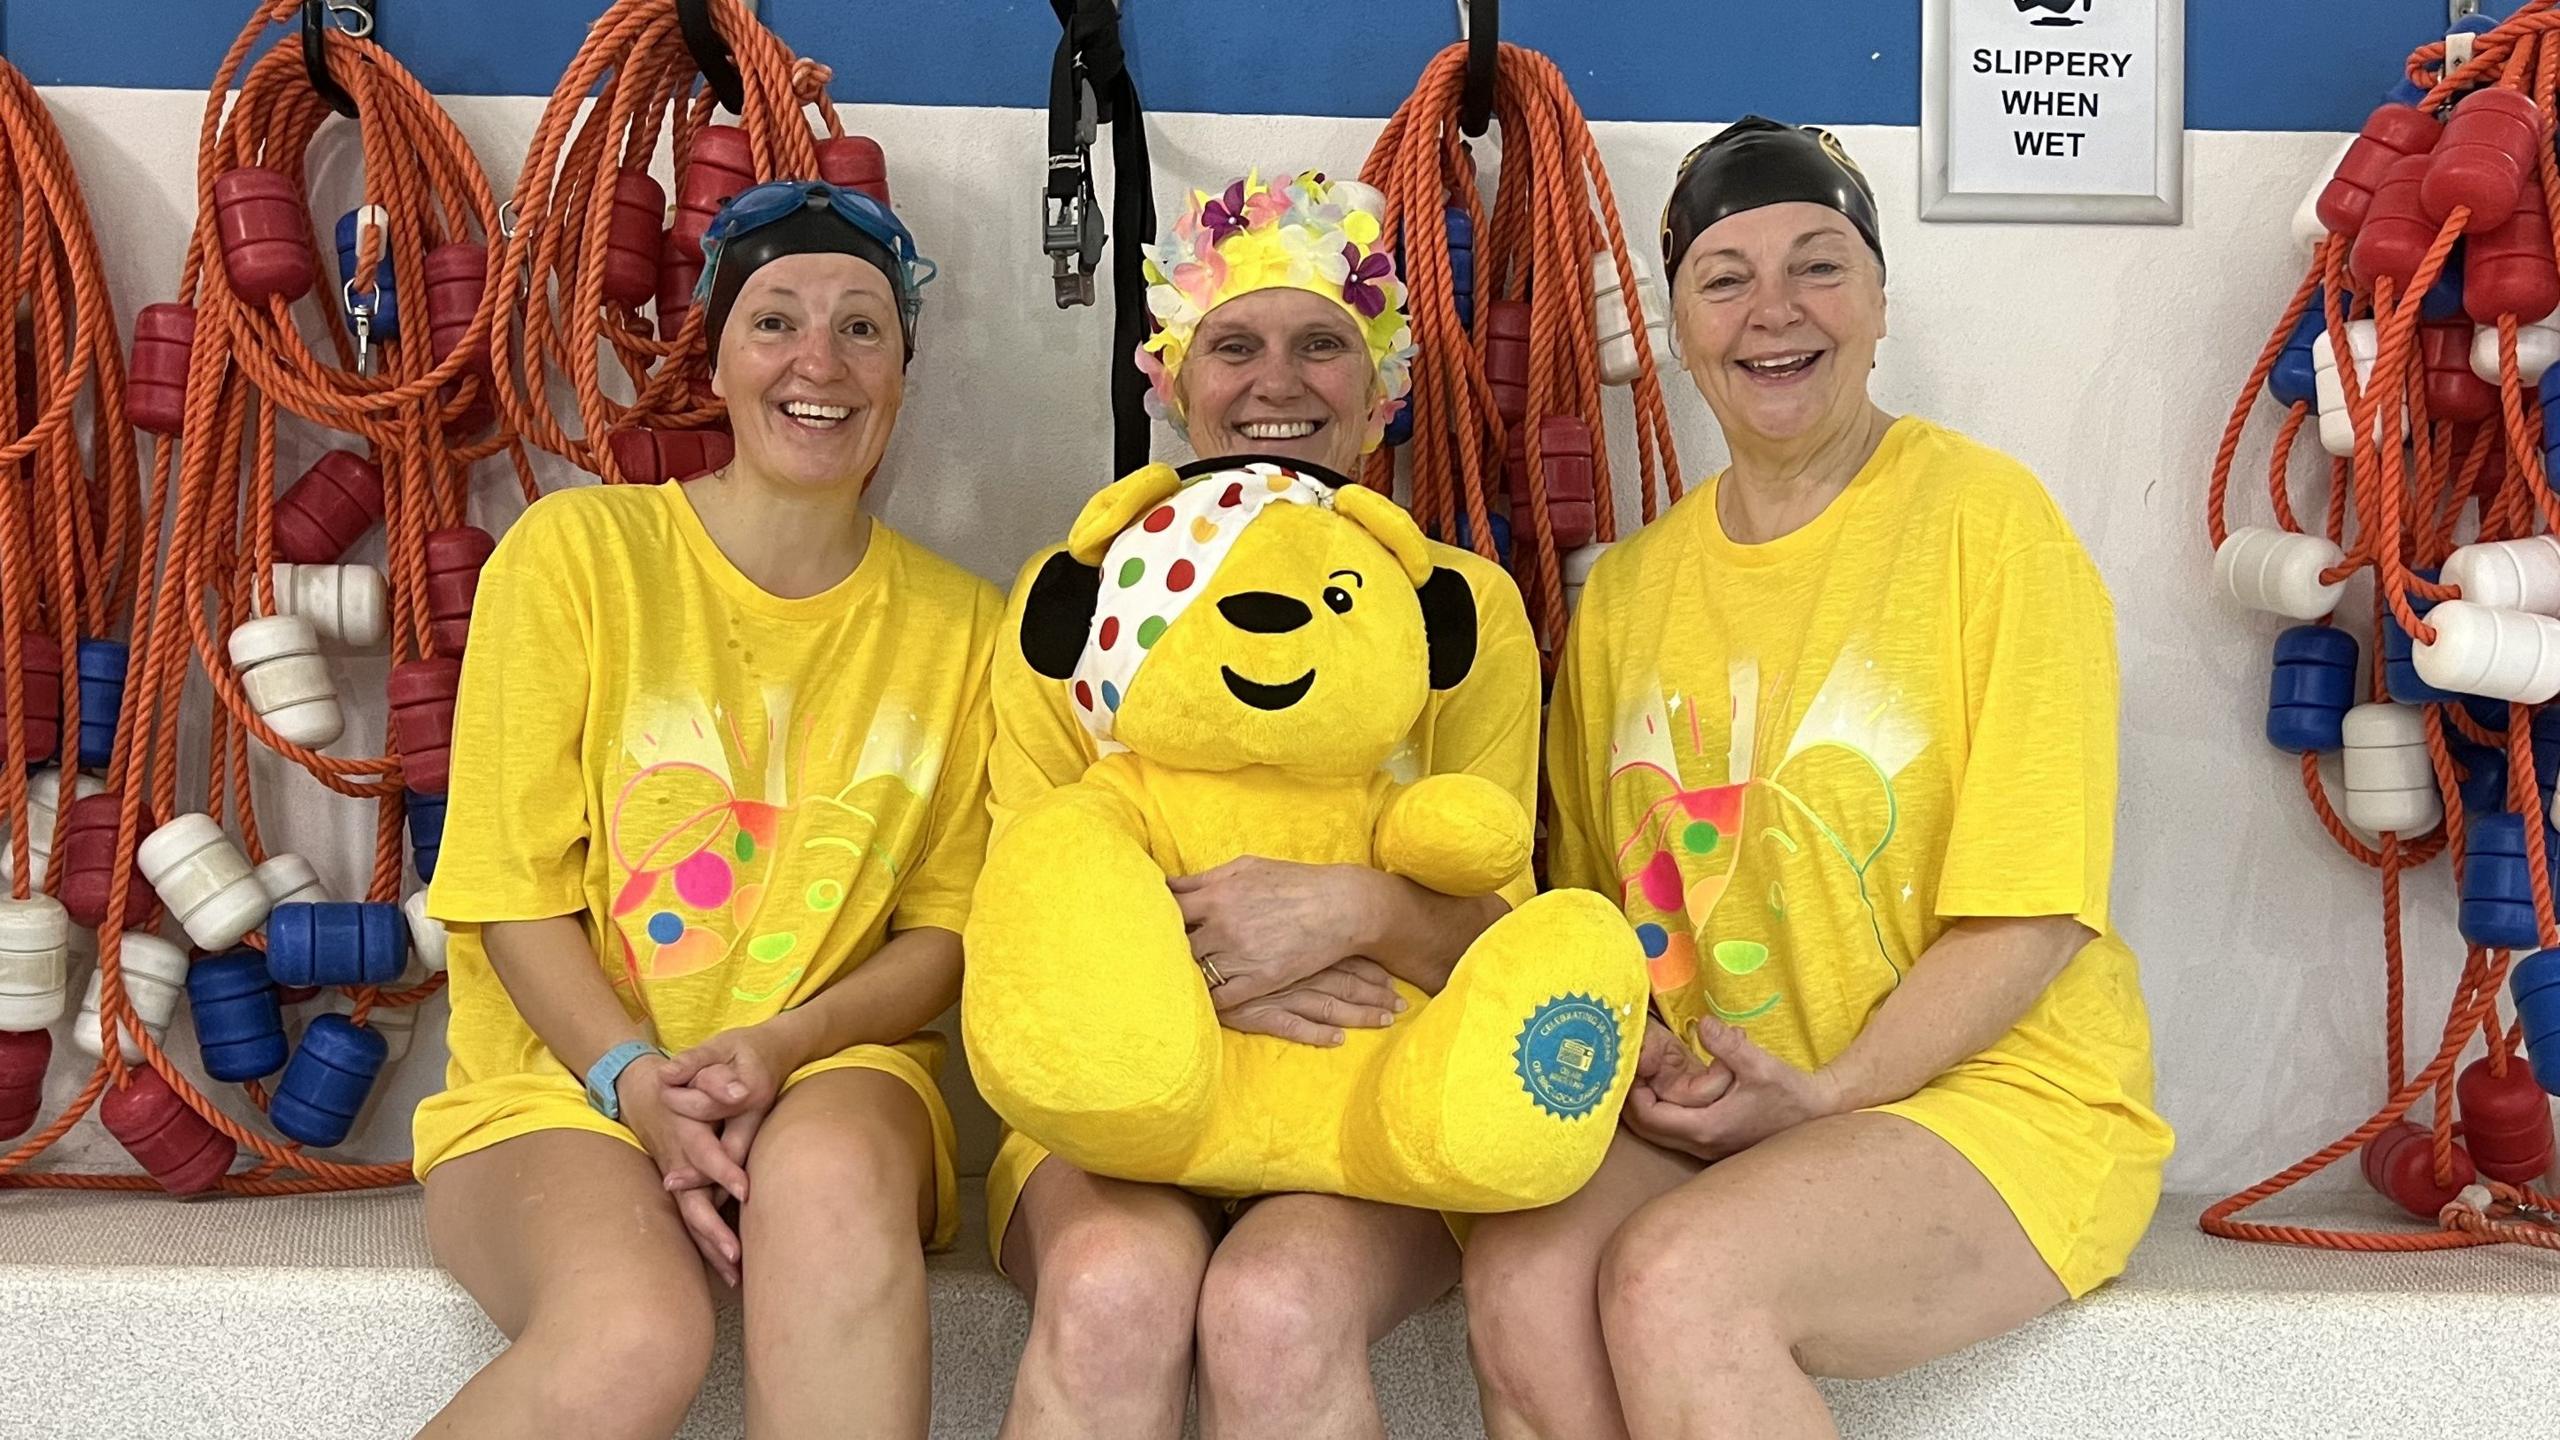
718 790
1839 733
1284 1294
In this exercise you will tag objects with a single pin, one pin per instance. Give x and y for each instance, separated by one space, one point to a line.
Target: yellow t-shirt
1795 763
1485 725
740 795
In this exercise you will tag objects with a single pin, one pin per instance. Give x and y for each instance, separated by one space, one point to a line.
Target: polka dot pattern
1160 565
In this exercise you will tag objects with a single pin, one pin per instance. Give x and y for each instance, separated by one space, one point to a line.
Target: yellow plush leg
1504 1092
1087 1024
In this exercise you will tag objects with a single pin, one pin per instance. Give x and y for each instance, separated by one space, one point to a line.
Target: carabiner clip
360 320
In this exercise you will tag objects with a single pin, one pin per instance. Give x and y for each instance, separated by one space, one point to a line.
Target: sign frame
2165 205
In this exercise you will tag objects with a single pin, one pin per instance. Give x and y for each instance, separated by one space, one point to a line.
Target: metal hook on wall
355 18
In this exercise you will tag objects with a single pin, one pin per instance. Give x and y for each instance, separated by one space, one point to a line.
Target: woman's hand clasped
1350 994
1737 1098
693 1157
1278 943
721 1089
1265 925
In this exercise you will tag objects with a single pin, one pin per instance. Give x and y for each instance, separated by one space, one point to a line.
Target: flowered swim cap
1326 237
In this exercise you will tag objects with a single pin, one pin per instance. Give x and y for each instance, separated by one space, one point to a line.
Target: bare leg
1301 1288
1853 1246
1533 1300
839 1185
568 1242
1113 1271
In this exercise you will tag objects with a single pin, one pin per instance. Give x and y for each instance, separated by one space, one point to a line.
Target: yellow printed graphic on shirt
1711 872
709 869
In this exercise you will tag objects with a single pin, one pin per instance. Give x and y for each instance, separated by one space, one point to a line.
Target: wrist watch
607 1072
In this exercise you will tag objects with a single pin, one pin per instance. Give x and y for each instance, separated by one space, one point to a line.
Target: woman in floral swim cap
1280 332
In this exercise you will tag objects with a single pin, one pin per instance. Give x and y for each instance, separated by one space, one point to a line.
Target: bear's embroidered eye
1337 599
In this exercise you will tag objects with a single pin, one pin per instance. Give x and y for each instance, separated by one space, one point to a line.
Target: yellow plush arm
1457 834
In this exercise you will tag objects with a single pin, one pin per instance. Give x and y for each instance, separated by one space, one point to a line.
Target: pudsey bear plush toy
1249 640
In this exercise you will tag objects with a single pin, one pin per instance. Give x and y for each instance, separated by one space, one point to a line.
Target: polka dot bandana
1159 565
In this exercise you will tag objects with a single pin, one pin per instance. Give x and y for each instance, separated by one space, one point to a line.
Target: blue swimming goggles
758 206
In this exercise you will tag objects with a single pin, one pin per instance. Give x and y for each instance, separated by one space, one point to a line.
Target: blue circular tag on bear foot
1567 1055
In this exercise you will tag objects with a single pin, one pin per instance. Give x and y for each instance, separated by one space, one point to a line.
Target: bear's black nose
1260 612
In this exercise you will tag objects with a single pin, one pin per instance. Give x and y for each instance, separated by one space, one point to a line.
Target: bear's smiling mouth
1268 697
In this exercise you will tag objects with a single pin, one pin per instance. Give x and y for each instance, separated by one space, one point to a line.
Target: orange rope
252 365
1554 210
77 580
554 327
2393 508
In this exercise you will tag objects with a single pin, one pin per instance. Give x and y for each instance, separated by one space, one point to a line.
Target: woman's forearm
1417 934
908 981
1966 992
549 970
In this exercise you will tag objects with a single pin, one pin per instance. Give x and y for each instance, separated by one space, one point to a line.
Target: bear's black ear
1449 620
1058 615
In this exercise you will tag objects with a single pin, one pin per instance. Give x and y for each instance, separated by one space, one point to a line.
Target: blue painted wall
2251 64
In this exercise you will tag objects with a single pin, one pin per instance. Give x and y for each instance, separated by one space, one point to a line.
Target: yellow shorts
2083 1179
479 1115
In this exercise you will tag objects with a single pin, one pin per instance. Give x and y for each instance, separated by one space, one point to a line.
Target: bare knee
1272 1325
831 1216
625 1362
1532 1297
1669 1285
1113 1306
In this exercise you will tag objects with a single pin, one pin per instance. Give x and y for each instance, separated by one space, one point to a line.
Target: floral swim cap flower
1326 237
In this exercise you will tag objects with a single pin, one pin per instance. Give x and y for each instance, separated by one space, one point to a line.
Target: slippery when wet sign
2052 109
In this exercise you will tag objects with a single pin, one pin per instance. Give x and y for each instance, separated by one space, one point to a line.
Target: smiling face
813 367
1308 651
1778 312
1279 372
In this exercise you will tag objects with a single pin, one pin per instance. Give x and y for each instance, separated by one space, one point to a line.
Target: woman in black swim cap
1838 731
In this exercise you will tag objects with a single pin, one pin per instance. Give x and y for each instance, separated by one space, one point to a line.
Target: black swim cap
1755 162
810 230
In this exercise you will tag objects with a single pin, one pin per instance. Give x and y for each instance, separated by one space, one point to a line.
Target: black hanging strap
318 16
1484 43
711 55
1089 87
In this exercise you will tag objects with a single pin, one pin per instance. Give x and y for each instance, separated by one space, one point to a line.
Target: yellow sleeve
1038 744
1578 759
937 891
517 845
2034 830
1487 725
